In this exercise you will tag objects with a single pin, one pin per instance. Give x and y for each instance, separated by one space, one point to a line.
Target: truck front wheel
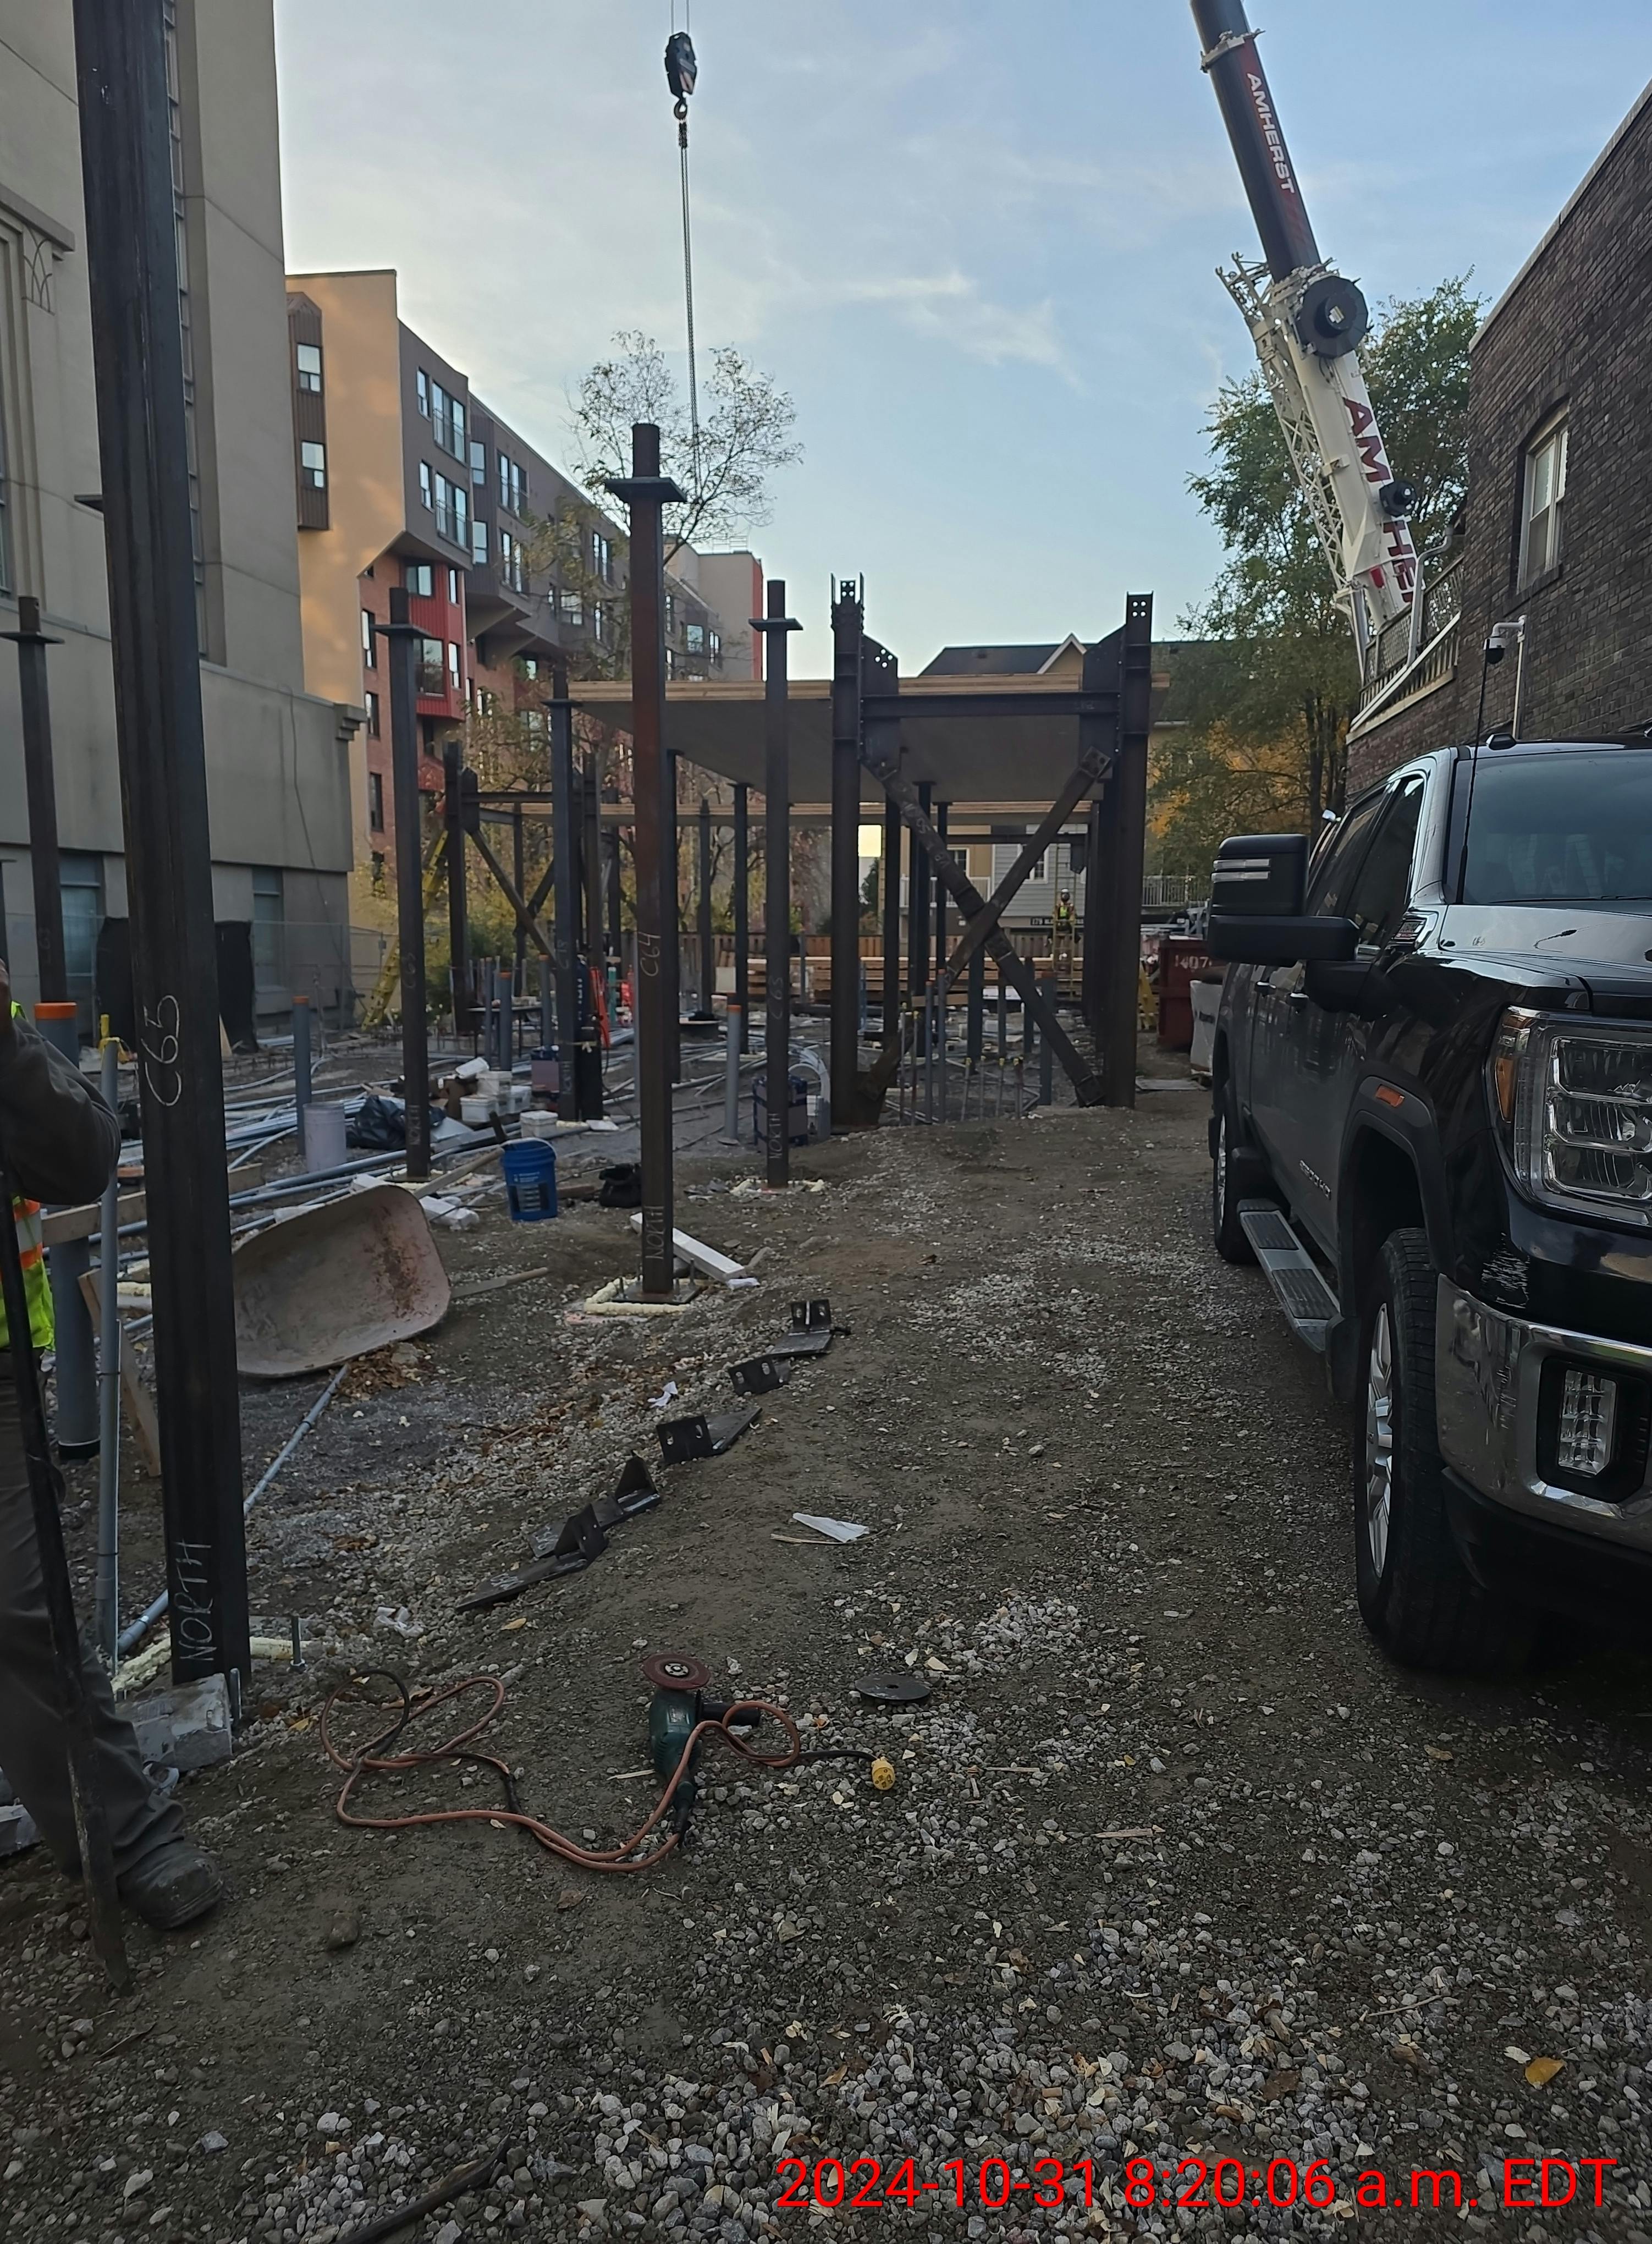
1418 1598
1225 1227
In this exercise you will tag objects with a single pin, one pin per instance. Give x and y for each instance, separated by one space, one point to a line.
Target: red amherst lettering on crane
1368 441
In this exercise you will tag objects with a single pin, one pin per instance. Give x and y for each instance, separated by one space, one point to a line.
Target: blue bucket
530 1180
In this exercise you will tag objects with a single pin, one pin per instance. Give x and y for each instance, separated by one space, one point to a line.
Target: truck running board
1291 1272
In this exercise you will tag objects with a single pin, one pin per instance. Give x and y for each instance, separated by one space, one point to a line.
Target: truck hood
1608 951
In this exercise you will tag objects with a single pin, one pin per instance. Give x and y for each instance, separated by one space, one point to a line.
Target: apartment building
405 477
277 755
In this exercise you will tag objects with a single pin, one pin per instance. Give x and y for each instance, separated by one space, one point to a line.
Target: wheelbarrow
335 1282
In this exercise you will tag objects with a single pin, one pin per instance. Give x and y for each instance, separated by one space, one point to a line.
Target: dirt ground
1175 1869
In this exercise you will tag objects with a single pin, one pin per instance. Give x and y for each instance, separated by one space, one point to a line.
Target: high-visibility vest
31 1246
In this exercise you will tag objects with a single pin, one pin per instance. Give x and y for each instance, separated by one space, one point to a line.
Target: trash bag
380 1125
621 1186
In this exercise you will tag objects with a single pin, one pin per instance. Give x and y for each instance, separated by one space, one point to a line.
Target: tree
745 435
1276 704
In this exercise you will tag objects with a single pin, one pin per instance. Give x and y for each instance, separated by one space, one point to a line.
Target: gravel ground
1175 1869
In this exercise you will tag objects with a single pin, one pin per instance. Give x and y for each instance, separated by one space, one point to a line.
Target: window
378 872
313 466
598 620
513 484
478 463
376 801
369 641
570 609
268 928
447 421
1543 502
309 366
602 556
421 383
430 678
1380 896
478 542
529 666
373 715
512 569
1041 867
694 637
453 588
1331 882
1564 829
81 878
426 490
452 511
714 645
671 613
454 674
420 578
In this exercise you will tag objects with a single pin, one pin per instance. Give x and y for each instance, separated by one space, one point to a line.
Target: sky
975 243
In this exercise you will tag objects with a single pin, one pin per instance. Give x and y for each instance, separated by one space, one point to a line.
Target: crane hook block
681 69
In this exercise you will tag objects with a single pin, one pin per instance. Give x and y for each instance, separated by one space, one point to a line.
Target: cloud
951 308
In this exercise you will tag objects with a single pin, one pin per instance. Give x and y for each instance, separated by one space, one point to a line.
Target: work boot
172 1886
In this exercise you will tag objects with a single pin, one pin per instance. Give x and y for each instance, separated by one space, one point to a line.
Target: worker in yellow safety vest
61 1143
1066 932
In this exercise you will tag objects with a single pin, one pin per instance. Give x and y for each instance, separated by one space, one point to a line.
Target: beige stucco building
277 755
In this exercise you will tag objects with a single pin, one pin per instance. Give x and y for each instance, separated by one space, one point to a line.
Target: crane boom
1306 321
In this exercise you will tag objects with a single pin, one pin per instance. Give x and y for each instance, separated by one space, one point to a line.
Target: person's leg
32 1751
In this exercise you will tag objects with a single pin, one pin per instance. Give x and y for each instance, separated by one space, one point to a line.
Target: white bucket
323 1139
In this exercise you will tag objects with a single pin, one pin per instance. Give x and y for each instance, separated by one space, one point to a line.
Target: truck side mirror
1256 888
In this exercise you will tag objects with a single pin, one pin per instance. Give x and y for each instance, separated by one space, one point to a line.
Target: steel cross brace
515 898
1087 1083
1090 778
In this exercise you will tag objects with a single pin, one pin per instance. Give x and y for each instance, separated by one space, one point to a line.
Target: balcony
1396 677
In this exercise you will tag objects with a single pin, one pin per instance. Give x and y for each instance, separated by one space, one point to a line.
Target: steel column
707 941
519 869
591 858
890 899
564 906
672 956
131 258
977 1003
403 636
458 900
742 901
1118 875
774 624
40 788
940 968
645 493
918 920
848 620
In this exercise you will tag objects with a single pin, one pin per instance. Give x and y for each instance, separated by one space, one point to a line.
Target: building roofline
1567 209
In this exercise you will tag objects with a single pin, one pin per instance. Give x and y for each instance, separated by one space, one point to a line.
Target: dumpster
1183 959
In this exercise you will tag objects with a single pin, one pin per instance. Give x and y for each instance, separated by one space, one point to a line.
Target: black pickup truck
1432 1125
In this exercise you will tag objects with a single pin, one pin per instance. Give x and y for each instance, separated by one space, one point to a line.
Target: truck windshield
1565 828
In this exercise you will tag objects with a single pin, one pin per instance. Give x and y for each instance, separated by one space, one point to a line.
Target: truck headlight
1574 1104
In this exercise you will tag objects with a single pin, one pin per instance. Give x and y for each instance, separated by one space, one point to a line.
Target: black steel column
742 901
458 898
610 891
673 950
40 786
519 874
708 946
644 492
918 919
777 880
564 932
849 621
977 1005
137 348
889 880
1118 874
941 809
404 636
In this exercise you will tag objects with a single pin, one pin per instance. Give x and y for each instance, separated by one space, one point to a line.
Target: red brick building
1560 497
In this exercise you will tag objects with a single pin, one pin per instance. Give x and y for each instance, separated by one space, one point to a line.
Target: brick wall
1575 331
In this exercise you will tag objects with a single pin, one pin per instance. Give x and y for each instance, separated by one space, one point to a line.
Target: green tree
1287 681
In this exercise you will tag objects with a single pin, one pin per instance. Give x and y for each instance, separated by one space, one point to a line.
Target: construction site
686 1571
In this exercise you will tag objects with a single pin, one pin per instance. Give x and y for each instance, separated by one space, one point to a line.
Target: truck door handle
1295 996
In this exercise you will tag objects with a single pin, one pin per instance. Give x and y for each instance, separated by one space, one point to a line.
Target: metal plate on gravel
896 1688
676 1670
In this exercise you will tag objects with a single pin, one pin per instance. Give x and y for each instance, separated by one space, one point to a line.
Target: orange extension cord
373 1759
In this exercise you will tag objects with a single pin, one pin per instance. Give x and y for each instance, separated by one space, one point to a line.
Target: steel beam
645 493
458 895
774 624
51 961
564 948
132 262
939 967
849 621
742 901
918 882
703 900
1090 778
403 637
890 899
1117 877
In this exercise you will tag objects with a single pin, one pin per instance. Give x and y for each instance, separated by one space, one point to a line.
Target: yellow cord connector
883 1773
